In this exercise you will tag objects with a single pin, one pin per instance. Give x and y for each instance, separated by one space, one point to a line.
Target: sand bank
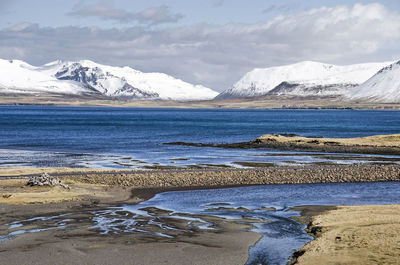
355 235
377 144
100 183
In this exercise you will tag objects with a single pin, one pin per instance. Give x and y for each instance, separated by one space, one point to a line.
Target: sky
209 42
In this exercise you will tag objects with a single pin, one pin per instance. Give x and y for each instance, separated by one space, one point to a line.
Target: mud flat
377 144
228 243
93 191
354 235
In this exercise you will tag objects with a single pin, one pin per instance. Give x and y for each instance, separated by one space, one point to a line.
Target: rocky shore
240 177
144 184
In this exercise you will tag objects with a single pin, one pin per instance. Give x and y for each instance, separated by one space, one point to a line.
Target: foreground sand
355 235
85 246
97 190
229 244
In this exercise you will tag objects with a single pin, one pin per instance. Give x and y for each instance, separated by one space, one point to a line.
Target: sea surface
101 137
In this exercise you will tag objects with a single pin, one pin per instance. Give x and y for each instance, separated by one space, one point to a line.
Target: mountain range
303 79
91 79
383 87
370 82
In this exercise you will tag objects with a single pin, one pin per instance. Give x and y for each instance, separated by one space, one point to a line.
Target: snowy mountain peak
87 77
19 63
384 86
389 68
302 79
97 79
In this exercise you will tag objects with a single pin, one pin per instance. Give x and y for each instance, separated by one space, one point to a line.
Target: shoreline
376 144
271 102
89 181
203 178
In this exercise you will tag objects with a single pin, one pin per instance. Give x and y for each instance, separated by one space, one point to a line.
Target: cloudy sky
209 42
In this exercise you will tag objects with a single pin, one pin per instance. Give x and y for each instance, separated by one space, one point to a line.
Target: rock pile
46 180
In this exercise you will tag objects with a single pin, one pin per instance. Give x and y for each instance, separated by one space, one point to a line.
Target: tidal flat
116 215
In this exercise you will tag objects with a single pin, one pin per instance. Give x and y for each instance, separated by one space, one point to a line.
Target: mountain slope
302 79
383 87
89 78
19 77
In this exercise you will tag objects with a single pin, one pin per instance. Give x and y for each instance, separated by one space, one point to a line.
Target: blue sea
100 137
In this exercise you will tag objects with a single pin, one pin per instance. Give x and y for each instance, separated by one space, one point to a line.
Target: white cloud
218 55
153 15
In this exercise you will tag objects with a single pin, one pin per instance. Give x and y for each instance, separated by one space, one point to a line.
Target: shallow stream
268 205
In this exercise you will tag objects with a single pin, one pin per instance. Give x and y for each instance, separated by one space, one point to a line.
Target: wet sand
229 244
354 235
85 246
91 191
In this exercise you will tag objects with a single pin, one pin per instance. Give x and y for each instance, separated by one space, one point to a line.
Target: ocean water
133 137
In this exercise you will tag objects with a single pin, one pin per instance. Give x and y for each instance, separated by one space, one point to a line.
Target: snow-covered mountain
19 77
384 86
89 78
302 79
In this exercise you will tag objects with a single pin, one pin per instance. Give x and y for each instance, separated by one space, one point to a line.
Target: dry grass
356 235
376 140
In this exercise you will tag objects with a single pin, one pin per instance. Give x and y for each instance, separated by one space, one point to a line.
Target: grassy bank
367 234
